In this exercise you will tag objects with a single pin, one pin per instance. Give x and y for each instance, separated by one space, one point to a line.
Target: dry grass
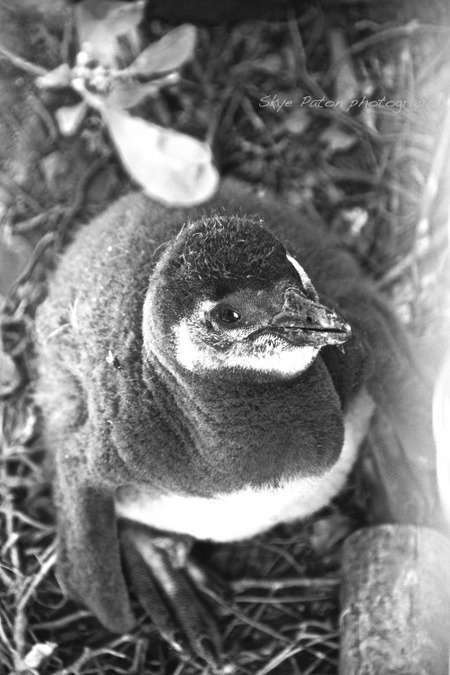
383 193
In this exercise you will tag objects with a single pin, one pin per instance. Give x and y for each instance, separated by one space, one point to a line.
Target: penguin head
226 299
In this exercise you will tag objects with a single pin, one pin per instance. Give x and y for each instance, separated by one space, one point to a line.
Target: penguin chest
249 511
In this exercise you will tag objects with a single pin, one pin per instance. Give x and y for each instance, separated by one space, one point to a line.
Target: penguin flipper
89 565
156 570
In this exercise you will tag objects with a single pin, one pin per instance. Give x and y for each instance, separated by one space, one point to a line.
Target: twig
346 85
36 254
440 159
51 237
64 621
244 618
11 186
286 600
286 653
21 622
67 35
289 558
89 654
30 521
11 539
304 77
241 585
291 650
80 194
396 272
394 32
45 117
23 64
34 222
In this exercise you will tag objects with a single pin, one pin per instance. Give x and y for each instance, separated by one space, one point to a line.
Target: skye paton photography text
277 103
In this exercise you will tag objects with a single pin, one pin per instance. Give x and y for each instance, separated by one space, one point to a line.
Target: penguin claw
157 572
210 583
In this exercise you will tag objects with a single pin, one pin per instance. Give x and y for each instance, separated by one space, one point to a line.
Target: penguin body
242 514
200 377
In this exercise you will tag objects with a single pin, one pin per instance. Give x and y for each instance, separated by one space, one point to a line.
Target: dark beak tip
312 321
342 328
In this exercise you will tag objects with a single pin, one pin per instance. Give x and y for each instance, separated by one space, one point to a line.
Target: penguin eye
226 314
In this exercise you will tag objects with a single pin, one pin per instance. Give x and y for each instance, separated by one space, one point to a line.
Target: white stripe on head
306 281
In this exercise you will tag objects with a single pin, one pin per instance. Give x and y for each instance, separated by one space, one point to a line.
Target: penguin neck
231 434
248 433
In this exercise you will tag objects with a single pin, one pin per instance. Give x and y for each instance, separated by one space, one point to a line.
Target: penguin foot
158 573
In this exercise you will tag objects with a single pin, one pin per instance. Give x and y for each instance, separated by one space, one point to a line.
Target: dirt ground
374 164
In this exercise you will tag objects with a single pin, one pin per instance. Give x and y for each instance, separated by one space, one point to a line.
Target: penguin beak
303 321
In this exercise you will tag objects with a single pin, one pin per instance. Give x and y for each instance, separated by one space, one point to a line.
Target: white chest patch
245 513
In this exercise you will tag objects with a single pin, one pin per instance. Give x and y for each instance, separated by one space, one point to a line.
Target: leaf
59 77
99 22
125 17
95 39
94 12
112 15
69 118
125 94
169 53
171 167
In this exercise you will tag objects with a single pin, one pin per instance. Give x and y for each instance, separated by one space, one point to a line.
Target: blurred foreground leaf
170 166
170 53
100 22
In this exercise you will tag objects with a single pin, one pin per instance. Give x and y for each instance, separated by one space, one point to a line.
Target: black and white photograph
224 337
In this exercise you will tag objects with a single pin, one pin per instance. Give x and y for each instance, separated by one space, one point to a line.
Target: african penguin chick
200 380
